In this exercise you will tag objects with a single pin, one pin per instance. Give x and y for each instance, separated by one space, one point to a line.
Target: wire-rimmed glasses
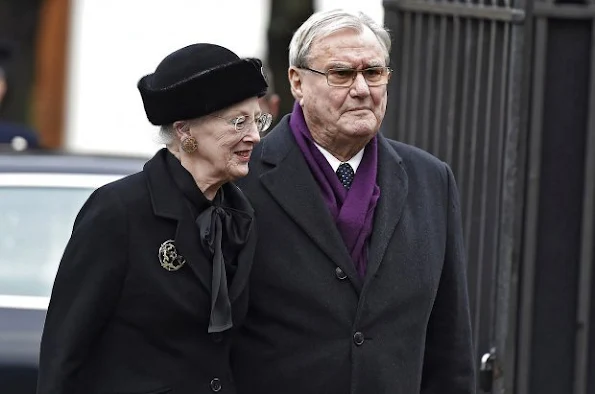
344 77
243 122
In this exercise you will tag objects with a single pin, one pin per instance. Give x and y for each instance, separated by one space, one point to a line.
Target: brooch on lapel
169 257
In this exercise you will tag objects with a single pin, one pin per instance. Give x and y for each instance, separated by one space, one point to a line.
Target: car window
35 225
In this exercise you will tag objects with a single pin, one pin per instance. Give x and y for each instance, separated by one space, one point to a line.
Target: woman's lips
244 155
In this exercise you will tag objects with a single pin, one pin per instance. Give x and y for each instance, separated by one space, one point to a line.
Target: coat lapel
393 183
292 185
168 202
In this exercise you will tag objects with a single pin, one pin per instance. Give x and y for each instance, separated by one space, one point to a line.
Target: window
35 225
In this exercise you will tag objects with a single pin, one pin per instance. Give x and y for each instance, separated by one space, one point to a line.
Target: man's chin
361 128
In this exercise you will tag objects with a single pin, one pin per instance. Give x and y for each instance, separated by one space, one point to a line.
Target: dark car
40 195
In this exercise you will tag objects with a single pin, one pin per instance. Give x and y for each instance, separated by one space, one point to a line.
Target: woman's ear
295 81
182 129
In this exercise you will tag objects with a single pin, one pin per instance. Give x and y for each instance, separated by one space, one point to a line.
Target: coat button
340 273
216 385
358 338
217 337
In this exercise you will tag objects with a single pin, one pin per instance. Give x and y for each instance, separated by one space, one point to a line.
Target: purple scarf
353 209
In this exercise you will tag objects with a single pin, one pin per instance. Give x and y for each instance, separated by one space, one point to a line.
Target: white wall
115 42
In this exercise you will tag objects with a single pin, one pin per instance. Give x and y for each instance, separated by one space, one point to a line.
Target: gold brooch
169 257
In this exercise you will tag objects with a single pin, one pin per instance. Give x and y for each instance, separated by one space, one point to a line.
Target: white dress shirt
335 163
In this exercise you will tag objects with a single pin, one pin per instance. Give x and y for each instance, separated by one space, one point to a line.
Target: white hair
166 134
325 23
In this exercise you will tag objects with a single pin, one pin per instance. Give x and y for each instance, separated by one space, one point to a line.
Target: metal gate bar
531 221
587 261
464 10
471 84
451 74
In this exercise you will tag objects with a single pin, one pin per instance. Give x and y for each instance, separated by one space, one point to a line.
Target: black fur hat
197 80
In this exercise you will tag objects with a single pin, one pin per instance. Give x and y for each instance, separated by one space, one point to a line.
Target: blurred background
501 90
75 63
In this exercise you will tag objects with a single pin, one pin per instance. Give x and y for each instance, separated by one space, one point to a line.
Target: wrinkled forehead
348 46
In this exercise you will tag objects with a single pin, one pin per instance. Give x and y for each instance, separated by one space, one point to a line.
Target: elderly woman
153 283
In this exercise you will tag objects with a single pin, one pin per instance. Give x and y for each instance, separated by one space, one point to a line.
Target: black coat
313 325
118 322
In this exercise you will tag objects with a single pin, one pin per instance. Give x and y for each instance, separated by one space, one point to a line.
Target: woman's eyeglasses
344 77
243 122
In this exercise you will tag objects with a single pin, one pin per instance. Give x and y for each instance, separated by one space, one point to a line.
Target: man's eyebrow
340 65
349 65
374 63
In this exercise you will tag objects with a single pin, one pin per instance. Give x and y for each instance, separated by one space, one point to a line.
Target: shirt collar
335 163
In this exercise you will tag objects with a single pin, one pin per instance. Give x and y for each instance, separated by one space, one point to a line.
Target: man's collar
335 163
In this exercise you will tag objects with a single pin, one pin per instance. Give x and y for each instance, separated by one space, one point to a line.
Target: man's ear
295 81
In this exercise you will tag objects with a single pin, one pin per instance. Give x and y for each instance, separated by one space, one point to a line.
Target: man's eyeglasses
244 122
344 77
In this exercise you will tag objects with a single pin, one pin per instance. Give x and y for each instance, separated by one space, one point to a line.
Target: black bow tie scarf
224 232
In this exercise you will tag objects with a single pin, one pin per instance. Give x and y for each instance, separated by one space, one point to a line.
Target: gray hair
166 134
323 24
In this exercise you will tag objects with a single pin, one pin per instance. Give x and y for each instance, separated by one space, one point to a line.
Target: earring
189 144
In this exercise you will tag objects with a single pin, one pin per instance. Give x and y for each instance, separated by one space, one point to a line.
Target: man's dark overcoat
118 322
313 325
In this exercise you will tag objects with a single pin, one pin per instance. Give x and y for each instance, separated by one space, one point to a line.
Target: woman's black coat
118 322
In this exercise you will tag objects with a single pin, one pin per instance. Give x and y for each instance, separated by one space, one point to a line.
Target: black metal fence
505 93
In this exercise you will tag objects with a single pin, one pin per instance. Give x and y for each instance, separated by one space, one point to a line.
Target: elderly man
358 284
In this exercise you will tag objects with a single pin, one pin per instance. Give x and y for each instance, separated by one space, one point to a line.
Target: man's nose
360 86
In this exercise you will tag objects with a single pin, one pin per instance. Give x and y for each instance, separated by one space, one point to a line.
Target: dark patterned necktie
345 174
